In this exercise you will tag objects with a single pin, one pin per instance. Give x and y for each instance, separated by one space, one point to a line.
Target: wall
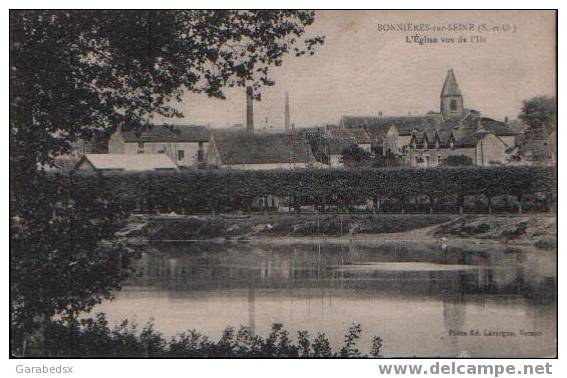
490 150
435 155
116 144
391 141
335 161
170 149
366 147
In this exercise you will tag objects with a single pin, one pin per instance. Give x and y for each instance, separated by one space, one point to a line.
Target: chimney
249 110
286 111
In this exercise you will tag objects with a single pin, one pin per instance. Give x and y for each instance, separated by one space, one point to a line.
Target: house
426 140
186 145
236 149
336 139
125 163
430 148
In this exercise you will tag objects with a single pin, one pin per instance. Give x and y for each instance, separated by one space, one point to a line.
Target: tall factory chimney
286 111
249 110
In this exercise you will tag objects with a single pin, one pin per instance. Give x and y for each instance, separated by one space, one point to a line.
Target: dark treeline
397 189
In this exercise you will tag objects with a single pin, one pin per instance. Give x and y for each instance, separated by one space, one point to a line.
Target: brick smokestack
249 110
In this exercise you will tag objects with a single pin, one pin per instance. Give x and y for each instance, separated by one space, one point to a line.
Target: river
423 300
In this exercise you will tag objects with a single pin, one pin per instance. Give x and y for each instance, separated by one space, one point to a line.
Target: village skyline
395 78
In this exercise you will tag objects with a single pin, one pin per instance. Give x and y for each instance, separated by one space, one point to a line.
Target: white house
123 162
186 145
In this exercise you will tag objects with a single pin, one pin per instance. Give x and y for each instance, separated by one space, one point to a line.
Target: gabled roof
337 146
450 87
242 147
356 136
496 127
163 133
381 124
126 162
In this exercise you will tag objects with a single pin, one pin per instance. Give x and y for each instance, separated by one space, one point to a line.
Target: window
453 105
140 151
200 145
200 155
140 144
180 154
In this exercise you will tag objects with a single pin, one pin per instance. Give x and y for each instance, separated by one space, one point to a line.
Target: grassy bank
288 225
534 229
539 230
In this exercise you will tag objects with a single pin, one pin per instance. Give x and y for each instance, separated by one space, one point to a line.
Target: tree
77 74
540 114
74 73
457 160
388 160
355 157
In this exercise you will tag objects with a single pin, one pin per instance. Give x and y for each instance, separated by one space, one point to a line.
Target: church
426 141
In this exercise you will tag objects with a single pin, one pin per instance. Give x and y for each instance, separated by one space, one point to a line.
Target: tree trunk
489 199
519 204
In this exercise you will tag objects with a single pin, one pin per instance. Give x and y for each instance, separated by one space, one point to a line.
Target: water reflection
419 298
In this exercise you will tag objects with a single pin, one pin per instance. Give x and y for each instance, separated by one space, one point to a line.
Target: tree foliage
74 73
95 338
457 160
540 114
77 74
353 156
195 191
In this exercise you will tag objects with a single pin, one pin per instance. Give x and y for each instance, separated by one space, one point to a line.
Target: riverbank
524 230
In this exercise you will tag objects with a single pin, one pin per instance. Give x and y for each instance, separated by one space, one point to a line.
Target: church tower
451 97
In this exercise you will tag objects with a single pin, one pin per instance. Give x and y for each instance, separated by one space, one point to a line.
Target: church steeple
451 97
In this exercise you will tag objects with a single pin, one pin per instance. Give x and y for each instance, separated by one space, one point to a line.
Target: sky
363 71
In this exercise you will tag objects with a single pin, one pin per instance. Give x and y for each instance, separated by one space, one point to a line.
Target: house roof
357 136
336 146
450 87
463 129
126 162
242 147
171 133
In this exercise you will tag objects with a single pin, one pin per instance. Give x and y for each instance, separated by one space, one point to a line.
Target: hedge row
224 190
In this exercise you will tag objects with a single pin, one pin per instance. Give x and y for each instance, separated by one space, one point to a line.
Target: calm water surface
419 298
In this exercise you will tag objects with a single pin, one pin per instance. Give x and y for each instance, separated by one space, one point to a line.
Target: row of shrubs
194 191
93 337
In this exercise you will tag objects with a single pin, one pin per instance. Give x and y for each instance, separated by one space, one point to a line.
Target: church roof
450 87
242 147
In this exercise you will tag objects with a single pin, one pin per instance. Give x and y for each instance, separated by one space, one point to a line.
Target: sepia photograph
283 184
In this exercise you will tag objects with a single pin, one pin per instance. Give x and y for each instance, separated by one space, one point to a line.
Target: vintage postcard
283 183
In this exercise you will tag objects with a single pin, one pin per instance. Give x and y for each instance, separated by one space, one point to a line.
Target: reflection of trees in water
206 265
